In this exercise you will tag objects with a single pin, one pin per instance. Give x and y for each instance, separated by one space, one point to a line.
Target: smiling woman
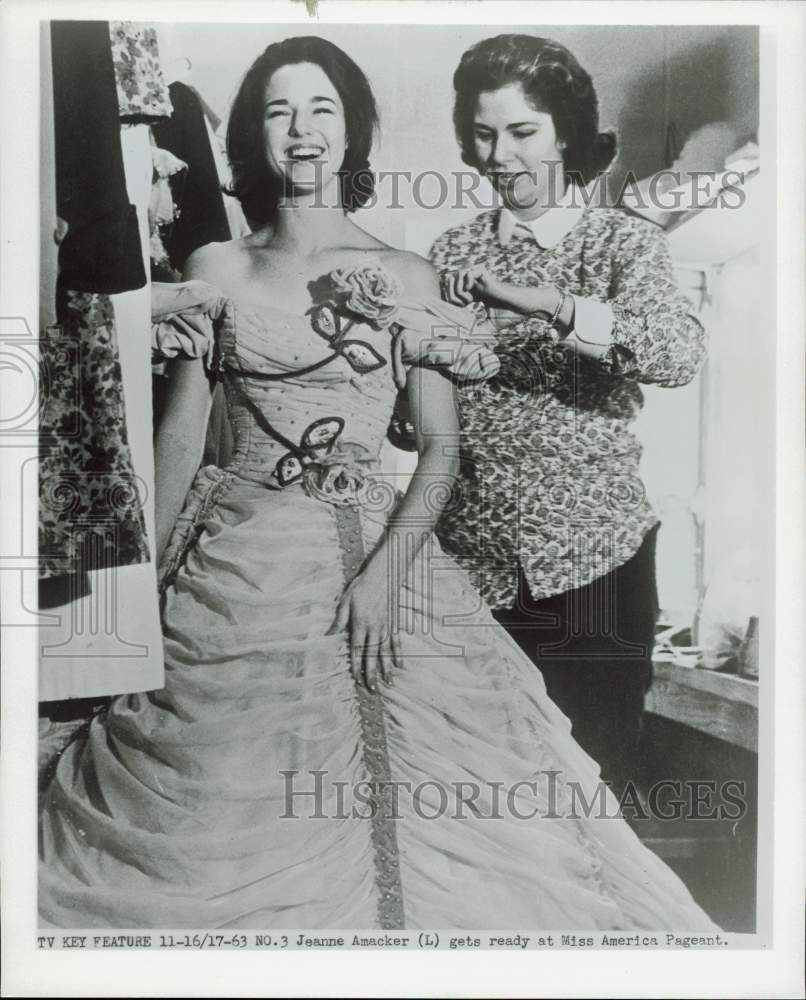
273 128
304 132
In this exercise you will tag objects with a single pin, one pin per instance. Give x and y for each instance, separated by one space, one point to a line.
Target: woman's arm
508 304
646 330
656 338
433 414
370 606
179 441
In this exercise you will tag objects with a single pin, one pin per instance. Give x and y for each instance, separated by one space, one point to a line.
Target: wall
739 495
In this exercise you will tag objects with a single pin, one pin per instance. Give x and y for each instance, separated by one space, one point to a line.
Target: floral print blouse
549 474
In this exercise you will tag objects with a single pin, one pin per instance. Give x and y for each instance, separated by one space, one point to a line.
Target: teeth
300 151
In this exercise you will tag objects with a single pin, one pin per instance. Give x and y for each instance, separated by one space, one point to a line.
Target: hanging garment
167 183
141 88
96 511
90 496
108 639
88 489
203 218
238 225
102 637
101 251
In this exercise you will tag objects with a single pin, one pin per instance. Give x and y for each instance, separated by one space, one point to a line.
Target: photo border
775 970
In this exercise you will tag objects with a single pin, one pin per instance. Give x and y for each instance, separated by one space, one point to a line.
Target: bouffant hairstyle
257 189
553 82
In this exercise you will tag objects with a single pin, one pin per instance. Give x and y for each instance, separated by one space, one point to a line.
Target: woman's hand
477 283
472 284
369 609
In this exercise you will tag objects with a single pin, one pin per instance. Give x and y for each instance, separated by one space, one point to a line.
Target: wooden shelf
720 705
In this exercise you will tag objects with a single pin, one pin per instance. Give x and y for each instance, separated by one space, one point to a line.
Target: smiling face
304 129
518 149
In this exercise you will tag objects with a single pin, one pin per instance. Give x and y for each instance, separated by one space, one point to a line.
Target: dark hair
257 189
553 81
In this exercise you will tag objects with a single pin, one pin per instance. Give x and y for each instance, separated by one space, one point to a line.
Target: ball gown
261 787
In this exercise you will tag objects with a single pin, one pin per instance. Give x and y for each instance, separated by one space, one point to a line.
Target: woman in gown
346 738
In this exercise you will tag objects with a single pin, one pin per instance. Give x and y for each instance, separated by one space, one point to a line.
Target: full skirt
262 788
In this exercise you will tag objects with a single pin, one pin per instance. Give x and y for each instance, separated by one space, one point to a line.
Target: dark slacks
593 647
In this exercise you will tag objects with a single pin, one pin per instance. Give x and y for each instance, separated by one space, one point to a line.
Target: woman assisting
554 523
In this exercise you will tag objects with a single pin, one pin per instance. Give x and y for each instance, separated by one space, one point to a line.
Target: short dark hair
252 182
553 81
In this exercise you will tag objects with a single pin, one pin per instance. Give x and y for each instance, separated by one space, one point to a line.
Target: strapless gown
262 787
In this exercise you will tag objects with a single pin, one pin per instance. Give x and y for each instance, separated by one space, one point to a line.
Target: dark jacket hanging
202 216
101 252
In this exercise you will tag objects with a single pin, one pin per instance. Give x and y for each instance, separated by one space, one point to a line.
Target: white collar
551 227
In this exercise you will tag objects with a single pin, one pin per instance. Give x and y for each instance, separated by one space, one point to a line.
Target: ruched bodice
306 392
262 340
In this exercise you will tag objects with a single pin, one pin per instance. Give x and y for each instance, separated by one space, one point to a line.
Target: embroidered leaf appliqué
322 434
325 321
288 469
362 357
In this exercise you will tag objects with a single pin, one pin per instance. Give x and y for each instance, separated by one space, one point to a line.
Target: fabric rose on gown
368 290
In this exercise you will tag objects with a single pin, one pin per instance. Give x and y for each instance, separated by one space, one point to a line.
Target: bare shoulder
214 261
414 272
